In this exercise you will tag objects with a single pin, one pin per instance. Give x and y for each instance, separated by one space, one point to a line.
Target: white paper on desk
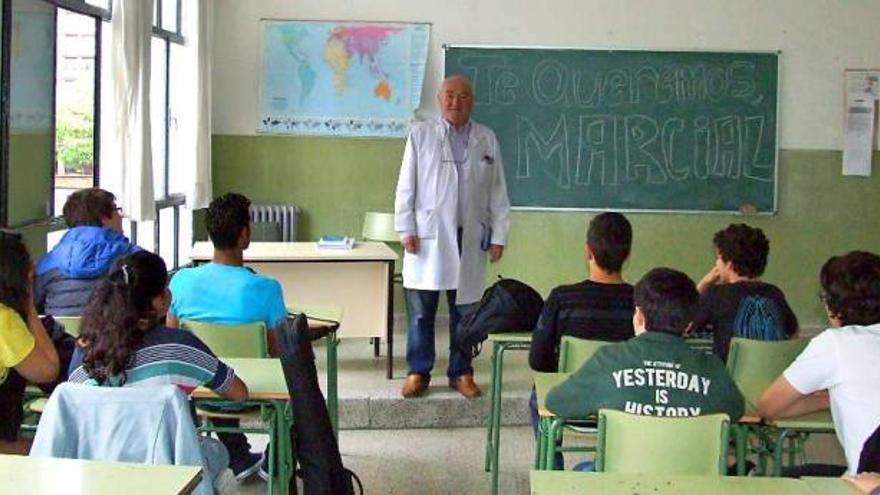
859 136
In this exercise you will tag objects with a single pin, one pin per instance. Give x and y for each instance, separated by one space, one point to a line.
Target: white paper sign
862 89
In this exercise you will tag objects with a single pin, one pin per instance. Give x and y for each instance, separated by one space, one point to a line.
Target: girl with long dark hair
123 342
24 344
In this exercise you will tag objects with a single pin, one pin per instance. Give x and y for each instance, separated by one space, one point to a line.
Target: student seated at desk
599 308
24 345
839 367
122 343
226 292
67 273
734 302
656 373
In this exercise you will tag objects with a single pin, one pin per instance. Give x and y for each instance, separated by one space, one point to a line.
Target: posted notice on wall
862 91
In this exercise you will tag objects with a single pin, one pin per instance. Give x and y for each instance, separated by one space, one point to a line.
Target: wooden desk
359 280
548 423
38 476
831 486
263 376
574 483
265 381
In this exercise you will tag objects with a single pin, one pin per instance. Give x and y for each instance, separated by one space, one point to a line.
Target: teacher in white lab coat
451 212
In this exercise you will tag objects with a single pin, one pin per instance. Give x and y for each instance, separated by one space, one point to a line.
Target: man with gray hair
451 212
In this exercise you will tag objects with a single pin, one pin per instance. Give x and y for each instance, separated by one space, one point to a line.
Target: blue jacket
149 425
66 275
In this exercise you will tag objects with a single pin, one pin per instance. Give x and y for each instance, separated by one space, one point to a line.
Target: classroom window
170 235
76 92
82 50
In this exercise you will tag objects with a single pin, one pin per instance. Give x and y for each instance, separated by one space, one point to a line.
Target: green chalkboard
629 129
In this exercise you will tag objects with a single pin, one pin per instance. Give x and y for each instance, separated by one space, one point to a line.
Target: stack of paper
335 242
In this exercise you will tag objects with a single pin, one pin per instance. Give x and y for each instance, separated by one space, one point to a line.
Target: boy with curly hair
734 302
839 366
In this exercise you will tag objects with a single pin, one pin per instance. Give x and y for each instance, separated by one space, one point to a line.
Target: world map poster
341 78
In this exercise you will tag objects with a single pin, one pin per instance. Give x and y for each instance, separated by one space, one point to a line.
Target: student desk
43 476
266 384
359 279
548 423
772 435
831 486
500 342
574 483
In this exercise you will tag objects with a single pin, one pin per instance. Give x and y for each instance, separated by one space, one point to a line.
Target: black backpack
507 306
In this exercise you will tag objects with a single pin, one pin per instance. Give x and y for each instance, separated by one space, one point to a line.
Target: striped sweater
166 356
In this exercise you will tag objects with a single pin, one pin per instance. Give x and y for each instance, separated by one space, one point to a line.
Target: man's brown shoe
414 385
465 386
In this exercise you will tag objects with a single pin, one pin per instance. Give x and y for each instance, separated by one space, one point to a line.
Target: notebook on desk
335 242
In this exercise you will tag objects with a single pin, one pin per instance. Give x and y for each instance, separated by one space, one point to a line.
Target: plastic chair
71 324
629 443
231 341
574 352
755 364
379 227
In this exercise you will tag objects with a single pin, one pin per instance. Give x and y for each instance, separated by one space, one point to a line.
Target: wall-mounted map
341 78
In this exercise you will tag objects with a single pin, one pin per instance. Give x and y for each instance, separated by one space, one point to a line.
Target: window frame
79 7
99 15
167 199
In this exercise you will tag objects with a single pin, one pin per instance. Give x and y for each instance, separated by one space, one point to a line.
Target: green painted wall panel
29 176
335 181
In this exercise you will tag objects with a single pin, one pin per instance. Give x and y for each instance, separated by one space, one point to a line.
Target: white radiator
283 215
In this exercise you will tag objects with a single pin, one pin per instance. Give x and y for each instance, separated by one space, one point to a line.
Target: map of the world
341 78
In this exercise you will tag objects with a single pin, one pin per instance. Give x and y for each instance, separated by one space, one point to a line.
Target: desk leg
389 331
778 451
741 437
332 382
554 432
281 450
541 447
497 380
493 376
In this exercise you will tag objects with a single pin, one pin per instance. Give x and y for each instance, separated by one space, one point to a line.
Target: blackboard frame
735 212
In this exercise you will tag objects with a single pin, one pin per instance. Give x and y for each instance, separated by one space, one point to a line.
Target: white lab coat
426 205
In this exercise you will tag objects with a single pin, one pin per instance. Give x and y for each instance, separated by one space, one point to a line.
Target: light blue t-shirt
228 295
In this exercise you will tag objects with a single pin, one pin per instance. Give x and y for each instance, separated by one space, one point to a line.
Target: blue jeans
215 459
421 308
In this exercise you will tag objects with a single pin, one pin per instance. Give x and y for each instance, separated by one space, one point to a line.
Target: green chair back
71 324
574 352
755 364
231 341
633 444
379 227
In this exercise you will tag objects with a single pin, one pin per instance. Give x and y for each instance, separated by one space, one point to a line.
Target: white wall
818 40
